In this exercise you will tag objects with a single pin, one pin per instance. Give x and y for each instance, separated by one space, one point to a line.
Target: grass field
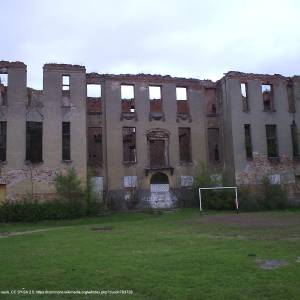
173 255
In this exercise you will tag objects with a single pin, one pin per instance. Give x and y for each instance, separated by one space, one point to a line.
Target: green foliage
32 211
248 200
68 186
274 195
94 204
213 199
271 197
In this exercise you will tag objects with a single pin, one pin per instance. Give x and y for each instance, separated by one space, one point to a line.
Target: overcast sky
201 39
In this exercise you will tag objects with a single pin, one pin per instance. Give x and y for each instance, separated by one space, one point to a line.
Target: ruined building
143 137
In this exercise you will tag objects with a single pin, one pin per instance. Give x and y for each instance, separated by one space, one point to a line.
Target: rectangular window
267 95
295 142
244 93
95 154
129 144
66 141
184 144
272 145
181 93
4 79
291 98
34 142
66 82
93 90
127 92
3 88
248 141
127 97
154 92
213 145
3 129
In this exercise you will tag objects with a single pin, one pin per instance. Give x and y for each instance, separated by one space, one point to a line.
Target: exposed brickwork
64 67
12 64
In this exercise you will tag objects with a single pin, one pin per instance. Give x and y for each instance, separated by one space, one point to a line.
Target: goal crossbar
219 188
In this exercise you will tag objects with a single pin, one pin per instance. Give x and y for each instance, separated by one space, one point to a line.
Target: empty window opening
34 142
66 82
267 94
66 141
295 141
213 145
93 90
248 141
272 144
3 89
154 92
216 153
244 93
291 98
127 92
129 144
184 144
3 129
4 79
95 152
213 108
181 93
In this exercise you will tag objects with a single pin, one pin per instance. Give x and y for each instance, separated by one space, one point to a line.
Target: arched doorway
160 191
159 178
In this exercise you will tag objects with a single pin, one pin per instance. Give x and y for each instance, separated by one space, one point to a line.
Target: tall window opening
267 95
127 97
181 97
3 88
95 148
244 93
213 145
155 98
295 141
272 143
129 144
291 98
66 141
248 141
3 129
34 142
66 85
184 144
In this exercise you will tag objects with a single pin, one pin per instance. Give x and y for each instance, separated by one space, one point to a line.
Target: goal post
219 188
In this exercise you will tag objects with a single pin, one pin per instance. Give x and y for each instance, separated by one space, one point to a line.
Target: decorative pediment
157 133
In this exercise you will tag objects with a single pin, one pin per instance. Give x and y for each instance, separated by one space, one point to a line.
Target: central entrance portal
160 196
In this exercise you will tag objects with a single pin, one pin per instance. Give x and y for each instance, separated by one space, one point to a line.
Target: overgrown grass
174 255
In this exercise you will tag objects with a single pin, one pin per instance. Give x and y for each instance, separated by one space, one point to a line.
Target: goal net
219 188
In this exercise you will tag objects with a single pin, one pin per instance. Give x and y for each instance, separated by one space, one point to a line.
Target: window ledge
28 163
129 163
67 161
296 158
3 162
186 163
269 110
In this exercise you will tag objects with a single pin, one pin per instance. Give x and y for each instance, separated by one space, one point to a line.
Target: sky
191 38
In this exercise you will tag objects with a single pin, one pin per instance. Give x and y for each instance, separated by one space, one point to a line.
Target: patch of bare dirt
270 264
102 229
253 220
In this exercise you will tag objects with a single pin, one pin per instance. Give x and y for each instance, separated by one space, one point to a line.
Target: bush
68 186
274 196
212 199
248 200
271 197
30 211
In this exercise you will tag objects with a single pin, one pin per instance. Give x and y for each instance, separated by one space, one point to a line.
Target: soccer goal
219 188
